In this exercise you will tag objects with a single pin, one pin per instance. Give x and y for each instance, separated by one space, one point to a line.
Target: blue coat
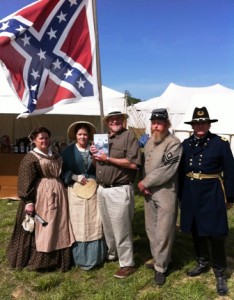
73 164
204 200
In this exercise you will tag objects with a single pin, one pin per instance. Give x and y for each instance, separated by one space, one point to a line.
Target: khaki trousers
116 206
160 223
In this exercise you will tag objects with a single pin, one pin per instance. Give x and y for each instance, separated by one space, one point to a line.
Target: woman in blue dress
78 174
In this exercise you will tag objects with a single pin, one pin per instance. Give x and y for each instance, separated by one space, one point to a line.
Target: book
101 143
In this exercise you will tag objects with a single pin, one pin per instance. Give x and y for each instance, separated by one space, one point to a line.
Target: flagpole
98 64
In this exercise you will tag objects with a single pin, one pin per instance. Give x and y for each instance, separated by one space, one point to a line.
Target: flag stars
41 54
33 87
57 64
35 74
52 34
21 29
62 17
73 2
81 83
26 39
4 26
68 73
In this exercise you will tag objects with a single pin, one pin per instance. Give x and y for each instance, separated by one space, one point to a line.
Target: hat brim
85 191
117 114
201 121
71 130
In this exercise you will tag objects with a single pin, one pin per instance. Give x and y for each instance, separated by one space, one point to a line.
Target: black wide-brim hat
201 115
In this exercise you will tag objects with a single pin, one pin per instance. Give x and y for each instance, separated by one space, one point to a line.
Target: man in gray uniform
160 185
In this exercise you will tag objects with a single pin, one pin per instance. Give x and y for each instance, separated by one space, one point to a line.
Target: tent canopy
218 108
177 100
58 119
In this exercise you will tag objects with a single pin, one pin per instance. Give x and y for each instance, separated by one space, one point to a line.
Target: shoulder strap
35 154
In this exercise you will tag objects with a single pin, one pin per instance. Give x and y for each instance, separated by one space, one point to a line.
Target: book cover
101 143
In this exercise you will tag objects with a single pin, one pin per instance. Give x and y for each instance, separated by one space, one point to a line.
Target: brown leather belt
113 185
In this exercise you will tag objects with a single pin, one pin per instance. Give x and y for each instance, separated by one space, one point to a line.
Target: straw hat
201 115
85 191
72 128
114 111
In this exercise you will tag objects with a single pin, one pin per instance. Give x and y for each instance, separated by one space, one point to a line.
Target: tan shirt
121 145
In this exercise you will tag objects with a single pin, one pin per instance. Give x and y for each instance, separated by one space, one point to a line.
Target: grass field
100 284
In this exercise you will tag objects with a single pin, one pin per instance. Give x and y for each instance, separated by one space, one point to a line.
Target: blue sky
146 45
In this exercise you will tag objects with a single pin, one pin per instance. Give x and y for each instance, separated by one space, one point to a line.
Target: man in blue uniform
207 173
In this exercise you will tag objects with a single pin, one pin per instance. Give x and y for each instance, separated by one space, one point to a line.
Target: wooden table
9 165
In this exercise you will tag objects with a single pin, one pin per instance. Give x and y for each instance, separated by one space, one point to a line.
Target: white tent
177 100
58 119
220 107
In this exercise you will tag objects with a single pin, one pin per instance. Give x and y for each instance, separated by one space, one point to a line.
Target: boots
221 281
202 267
201 245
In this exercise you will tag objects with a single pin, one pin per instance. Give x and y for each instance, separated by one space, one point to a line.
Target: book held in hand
101 143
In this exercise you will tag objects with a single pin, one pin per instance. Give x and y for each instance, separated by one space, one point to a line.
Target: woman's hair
80 126
34 133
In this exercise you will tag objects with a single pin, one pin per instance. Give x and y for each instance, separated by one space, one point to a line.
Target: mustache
159 136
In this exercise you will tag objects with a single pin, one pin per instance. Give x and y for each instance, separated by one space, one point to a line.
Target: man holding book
116 174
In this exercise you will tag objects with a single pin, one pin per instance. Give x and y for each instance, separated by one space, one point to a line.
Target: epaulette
223 138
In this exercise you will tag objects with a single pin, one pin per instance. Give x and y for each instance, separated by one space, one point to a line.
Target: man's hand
93 149
102 157
143 189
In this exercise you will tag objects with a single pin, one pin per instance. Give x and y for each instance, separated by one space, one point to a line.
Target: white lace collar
40 152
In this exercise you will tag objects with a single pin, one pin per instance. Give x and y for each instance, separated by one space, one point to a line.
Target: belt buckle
196 175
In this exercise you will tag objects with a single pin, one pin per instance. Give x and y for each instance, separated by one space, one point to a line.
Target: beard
158 137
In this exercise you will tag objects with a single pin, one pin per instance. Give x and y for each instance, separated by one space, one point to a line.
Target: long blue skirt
88 255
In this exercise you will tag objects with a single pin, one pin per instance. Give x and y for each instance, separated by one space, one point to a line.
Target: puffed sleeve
27 177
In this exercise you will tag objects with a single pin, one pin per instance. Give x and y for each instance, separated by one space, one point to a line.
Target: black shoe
200 268
221 285
149 264
159 278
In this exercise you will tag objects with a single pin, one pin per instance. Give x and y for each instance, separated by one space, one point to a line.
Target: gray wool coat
161 166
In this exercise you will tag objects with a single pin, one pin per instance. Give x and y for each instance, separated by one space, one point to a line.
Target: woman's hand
79 178
29 208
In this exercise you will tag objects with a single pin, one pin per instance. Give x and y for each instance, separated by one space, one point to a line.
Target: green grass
100 284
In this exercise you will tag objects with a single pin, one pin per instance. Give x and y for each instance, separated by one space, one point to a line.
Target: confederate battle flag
49 52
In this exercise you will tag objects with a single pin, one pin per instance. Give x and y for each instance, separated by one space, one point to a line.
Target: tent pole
98 65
